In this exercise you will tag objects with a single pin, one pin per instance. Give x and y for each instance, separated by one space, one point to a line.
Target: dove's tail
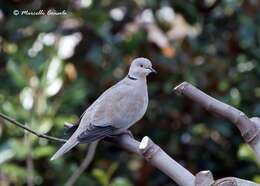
73 141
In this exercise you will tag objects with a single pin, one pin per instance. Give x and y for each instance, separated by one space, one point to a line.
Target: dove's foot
128 132
122 132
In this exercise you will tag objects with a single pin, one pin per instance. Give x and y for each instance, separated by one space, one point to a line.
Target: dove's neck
136 81
131 77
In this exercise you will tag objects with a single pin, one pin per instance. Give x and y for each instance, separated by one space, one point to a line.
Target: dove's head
140 67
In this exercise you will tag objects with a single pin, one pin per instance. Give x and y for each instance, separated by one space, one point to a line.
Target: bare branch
249 128
158 158
205 178
18 124
29 161
84 165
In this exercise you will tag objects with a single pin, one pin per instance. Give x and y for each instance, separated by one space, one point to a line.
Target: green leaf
101 176
256 179
16 74
246 153
119 181
19 148
112 170
15 173
43 151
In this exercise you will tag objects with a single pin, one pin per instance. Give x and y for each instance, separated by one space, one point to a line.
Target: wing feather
93 133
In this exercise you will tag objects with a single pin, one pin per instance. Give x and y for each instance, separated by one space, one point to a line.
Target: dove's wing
117 108
99 120
93 133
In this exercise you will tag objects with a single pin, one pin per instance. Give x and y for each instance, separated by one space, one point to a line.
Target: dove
117 109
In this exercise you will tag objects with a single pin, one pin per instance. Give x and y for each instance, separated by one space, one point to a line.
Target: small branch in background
84 165
29 161
18 124
249 128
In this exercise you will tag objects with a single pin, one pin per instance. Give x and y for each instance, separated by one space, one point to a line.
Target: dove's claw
128 132
122 132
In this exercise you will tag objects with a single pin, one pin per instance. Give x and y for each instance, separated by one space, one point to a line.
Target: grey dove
117 109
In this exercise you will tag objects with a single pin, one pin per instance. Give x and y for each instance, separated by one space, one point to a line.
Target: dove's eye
142 66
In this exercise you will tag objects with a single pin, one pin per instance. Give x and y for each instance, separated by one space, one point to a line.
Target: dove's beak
152 70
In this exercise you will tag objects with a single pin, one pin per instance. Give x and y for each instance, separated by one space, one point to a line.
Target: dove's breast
131 109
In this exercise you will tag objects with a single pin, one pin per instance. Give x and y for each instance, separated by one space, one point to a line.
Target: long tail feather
65 148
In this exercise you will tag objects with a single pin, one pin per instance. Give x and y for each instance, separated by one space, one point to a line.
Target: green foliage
16 173
246 153
104 177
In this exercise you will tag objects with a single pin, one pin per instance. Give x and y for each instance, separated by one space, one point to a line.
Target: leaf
101 176
119 181
43 151
112 170
19 149
104 177
6 152
246 153
256 179
15 173
16 74
45 126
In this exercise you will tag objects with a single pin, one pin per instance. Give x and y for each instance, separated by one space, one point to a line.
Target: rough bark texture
205 178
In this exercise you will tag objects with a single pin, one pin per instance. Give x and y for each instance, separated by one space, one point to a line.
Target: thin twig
84 165
18 124
29 161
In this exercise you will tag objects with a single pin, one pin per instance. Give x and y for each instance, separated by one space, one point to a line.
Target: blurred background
52 67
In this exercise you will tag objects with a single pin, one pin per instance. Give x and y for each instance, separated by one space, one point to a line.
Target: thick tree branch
205 178
249 128
158 158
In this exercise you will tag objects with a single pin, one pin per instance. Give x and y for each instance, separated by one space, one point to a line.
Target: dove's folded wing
100 119
94 133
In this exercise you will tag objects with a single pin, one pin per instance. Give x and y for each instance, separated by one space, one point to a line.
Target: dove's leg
121 132
128 132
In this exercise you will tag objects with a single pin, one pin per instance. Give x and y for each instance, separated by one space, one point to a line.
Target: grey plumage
117 109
